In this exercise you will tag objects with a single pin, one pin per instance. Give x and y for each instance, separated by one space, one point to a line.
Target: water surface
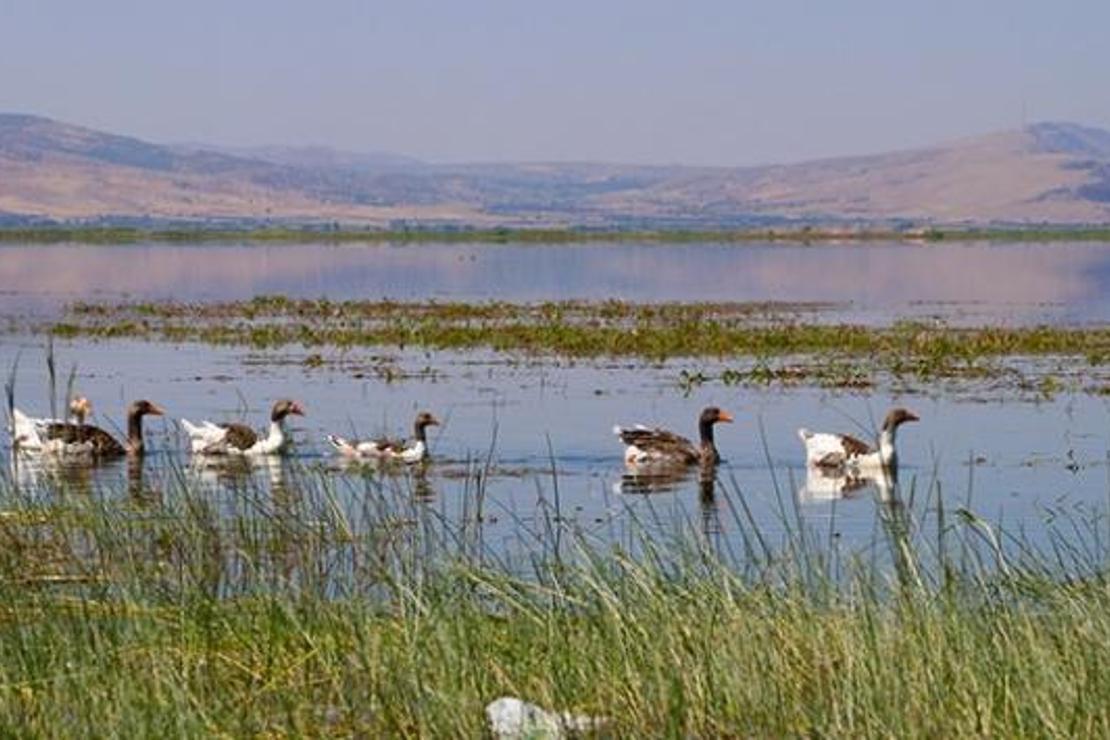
527 442
875 282
539 436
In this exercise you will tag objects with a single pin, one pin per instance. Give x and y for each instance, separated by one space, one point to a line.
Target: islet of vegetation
779 341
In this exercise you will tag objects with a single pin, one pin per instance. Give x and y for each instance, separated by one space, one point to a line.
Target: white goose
845 452
208 438
29 433
413 451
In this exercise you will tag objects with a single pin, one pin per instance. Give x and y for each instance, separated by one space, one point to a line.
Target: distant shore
802 234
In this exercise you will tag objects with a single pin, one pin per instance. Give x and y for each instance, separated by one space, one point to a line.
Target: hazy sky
710 81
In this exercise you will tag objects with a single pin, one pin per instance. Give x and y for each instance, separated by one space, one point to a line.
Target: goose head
135 413
284 408
81 408
897 417
145 408
424 420
711 416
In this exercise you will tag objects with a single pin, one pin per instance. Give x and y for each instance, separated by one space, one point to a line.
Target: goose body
413 451
33 436
77 439
25 431
657 447
209 438
841 452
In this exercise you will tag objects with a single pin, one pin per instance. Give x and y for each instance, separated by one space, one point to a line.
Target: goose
414 451
645 446
208 438
25 429
78 439
845 452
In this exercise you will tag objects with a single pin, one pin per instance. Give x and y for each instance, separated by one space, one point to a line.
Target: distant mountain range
1046 173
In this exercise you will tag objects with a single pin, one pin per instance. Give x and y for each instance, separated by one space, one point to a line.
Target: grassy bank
804 234
295 613
774 340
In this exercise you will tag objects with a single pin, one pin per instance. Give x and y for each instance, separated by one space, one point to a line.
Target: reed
310 604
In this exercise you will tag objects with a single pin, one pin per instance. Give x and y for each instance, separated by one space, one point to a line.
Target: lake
873 281
528 441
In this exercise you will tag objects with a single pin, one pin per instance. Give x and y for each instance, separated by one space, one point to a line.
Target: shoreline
569 235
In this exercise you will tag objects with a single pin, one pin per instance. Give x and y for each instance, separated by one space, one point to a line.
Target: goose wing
365 448
845 448
26 431
205 437
239 436
646 444
65 435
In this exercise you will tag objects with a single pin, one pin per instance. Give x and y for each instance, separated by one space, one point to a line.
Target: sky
708 82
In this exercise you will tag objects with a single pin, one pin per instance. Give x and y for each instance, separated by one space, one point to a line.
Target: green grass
278 234
779 342
291 612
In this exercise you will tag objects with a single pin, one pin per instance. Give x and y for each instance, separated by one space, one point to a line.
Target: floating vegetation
780 344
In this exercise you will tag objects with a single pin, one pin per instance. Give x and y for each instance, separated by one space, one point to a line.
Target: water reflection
644 481
708 507
34 474
491 484
1030 282
824 484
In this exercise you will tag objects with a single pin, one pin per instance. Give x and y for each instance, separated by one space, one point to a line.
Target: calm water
1017 463
1010 283
542 430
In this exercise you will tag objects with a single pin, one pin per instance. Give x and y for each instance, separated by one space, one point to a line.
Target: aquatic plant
783 345
172 608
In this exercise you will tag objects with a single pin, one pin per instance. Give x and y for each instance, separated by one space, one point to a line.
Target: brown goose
79 438
413 451
651 447
239 439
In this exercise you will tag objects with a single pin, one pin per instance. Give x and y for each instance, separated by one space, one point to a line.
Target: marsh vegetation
312 597
168 610
774 341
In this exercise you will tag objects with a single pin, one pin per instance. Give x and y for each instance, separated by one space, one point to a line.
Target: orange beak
725 417
296 409
156 410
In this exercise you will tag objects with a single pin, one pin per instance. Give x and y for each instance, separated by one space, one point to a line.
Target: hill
1047 172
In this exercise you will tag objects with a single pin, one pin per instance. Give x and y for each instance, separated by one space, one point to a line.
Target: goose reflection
34 475
422 489
642 480
823 484
237 471
139 487
707 501
647 481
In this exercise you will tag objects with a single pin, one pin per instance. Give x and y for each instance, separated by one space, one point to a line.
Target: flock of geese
74 439
648 450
